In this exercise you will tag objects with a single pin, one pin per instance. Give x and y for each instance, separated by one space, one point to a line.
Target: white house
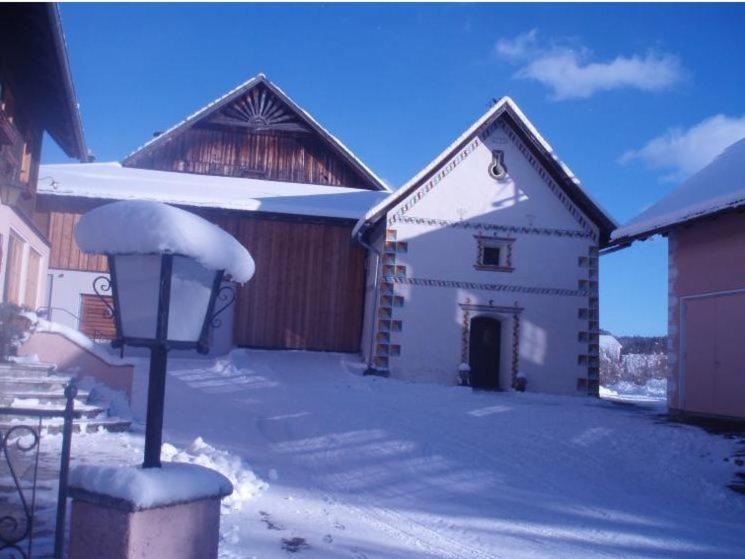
487 260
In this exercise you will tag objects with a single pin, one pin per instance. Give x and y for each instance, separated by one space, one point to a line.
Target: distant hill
646 345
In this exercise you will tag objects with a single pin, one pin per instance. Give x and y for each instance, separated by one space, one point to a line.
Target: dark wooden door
484 349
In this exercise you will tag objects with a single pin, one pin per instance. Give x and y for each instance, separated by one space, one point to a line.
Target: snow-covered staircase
39 386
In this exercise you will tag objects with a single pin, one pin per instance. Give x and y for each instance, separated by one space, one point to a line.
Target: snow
368 467
611 346
718 186
245 484
174 482
77 337
112 181
503 104
145 227
654 390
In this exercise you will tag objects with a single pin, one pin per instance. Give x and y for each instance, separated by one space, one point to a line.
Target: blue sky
633 97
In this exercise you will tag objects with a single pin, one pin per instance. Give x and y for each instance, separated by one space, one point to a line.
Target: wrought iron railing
21 438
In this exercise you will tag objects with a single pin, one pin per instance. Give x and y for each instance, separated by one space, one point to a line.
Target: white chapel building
483 268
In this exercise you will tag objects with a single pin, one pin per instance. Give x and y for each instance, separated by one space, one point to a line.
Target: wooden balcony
12 147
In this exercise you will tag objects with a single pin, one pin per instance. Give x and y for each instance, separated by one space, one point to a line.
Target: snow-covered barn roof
505 106
213 107
112 181
718 187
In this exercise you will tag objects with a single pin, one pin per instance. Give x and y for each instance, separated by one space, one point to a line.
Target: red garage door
714 355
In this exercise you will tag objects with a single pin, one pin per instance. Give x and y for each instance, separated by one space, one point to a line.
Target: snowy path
373 468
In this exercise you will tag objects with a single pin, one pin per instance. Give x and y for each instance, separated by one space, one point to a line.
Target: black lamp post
161 302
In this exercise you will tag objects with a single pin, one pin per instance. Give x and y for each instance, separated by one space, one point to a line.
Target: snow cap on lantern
166 268
143 227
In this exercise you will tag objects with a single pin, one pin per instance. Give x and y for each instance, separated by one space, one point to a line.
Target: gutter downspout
371 370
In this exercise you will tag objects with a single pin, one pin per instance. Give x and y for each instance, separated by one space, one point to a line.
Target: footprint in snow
267 519
339 526
295 545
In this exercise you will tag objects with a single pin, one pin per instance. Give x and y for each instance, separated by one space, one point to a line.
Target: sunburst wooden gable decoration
259 109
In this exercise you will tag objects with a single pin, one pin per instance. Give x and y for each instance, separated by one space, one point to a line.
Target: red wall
707 317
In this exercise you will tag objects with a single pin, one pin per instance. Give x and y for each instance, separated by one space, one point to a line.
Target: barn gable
502 128
255 131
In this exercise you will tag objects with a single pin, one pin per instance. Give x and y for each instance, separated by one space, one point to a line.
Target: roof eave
664 229
79 149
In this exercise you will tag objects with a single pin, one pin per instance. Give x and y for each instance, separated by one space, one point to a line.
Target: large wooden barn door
714 354
484 352
307 292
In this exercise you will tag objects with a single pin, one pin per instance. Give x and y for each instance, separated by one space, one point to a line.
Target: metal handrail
11 542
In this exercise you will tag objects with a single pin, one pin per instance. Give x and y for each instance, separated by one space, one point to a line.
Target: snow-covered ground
331 464
654 391
367 467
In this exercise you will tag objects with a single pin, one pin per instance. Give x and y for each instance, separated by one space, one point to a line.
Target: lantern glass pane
138 287
191 290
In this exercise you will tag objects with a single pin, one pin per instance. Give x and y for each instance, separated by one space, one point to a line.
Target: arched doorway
484 346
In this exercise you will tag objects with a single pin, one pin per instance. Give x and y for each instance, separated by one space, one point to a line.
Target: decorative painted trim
465 331
555 188
487 286
593 324
465 339
515 347
388 301
491 308
512 229
446 169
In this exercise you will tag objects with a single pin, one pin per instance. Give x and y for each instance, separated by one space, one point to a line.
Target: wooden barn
262 168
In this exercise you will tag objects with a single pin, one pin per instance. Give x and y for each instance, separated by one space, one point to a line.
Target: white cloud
570 75
519 47
686 151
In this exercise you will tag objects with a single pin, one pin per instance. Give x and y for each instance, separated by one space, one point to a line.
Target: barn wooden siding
293 157
308 289
58 224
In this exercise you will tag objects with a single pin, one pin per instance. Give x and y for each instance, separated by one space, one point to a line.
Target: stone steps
28 369
54 426
49 397
52 383
38 386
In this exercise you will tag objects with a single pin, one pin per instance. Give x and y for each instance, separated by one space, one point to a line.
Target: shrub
14 329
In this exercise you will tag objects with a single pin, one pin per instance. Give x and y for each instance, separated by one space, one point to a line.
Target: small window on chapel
494 253
490 256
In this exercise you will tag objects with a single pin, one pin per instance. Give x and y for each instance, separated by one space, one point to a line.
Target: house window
490 256
26 159
14 270
33 269
494 253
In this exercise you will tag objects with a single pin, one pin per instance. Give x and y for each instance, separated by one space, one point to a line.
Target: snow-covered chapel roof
718 187
505 106
112 181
